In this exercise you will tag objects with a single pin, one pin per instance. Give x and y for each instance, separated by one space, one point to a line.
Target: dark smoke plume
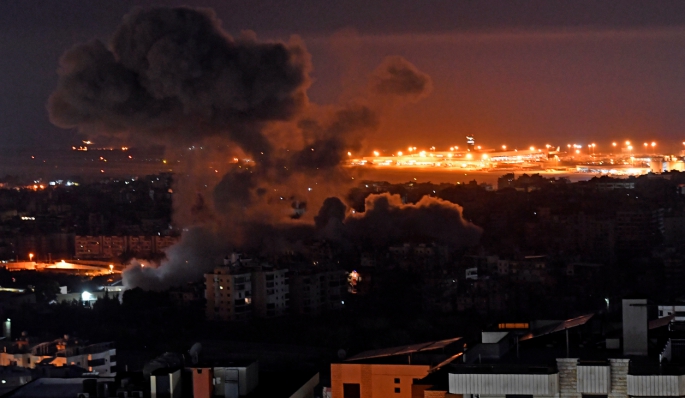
173 76
398 78
387 220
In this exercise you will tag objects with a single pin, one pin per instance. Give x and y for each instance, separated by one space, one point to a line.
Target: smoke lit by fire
260 159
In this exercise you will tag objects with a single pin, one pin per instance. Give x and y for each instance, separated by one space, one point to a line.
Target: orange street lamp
30 256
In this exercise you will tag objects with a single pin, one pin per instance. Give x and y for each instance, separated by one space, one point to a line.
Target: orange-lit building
109 247
391 372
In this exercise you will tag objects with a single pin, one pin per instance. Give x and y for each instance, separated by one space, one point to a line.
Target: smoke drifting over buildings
173 76
386 220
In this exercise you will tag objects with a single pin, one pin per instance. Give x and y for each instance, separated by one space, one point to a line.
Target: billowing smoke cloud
258 159
398 78
386 220
173 74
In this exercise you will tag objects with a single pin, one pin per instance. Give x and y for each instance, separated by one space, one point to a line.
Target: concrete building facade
228 292
315 290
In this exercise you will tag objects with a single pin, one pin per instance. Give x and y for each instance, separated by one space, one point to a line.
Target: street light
30 256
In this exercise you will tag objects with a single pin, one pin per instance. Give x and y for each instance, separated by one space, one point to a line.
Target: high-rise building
228 291
271 292
316 289
241 289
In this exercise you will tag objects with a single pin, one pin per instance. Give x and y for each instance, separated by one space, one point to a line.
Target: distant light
399 153
422 153
504 147
86 296
375 153
349 153
309 189
532 148
614 144
627 142
653 143
577 150
342 302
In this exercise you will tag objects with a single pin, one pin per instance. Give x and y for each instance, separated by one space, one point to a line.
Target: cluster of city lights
572 148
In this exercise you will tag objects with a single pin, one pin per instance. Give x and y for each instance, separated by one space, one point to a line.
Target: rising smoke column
173 76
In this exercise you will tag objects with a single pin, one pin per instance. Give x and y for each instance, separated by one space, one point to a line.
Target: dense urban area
549 250
352 199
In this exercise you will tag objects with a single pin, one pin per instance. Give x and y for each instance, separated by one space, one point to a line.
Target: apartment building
271 292
100 358
242 288
228 291
316 289
107 247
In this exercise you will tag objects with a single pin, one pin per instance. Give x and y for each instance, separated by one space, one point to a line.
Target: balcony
504 381
652 380
656 385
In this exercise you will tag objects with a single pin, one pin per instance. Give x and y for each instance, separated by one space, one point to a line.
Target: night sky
510 72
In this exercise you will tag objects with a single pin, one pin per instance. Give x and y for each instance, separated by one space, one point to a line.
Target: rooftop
52 388
387 355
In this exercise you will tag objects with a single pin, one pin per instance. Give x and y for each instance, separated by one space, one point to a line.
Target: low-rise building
97 358
390 372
